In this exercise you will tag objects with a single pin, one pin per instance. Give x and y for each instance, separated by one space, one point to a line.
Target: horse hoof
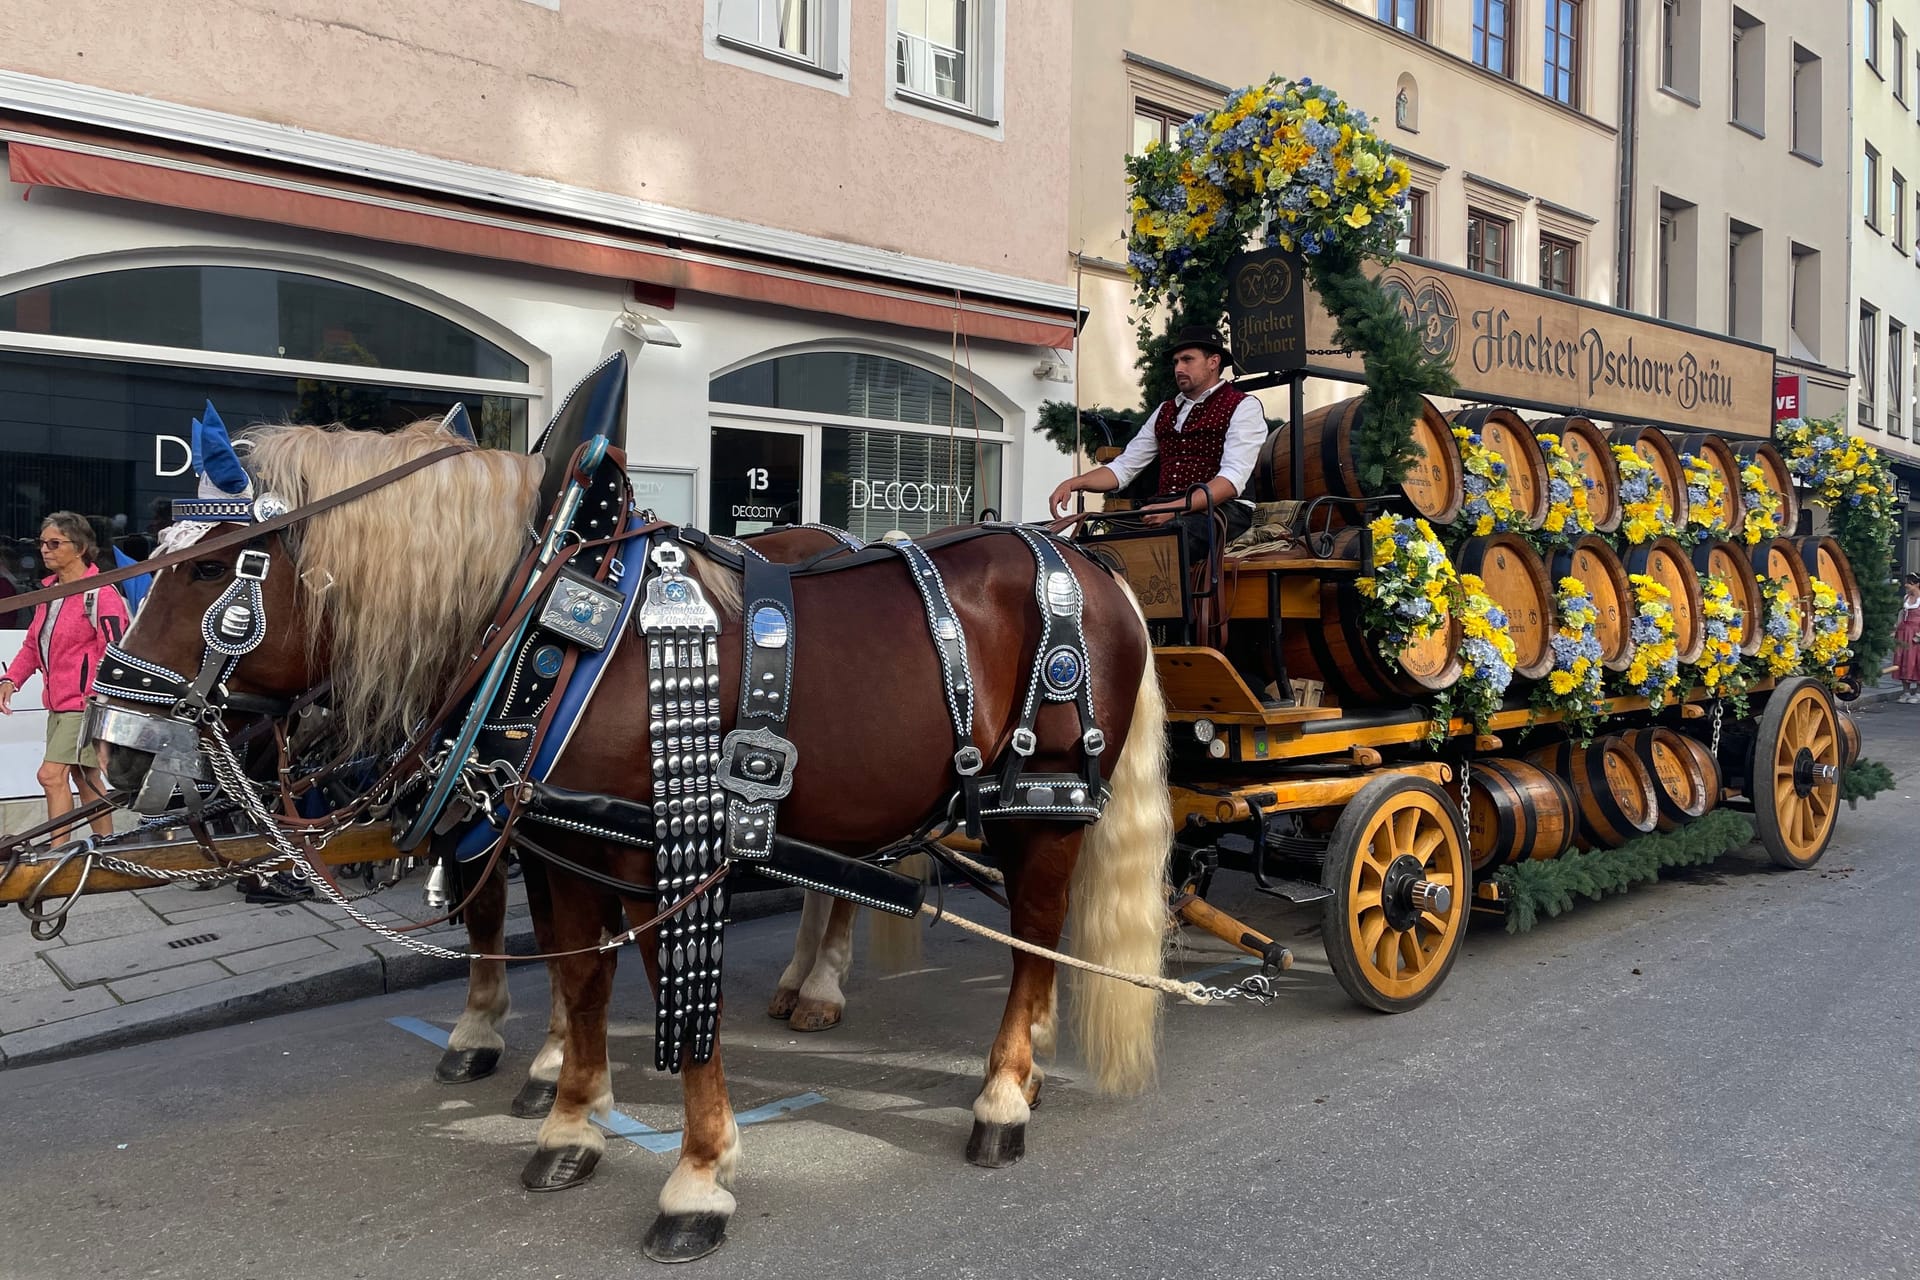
464 1066
813 1015
995 1146
557 1168
781 1006
534 1100
682 1237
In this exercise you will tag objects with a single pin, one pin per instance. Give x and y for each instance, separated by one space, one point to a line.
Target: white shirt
1246 432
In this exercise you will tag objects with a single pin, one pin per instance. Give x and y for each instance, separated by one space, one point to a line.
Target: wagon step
1300 891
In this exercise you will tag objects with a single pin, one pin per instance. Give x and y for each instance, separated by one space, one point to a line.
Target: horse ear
214 460
457 423
597 406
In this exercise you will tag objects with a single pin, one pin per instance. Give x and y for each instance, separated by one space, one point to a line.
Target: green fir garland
1533 888
1863 780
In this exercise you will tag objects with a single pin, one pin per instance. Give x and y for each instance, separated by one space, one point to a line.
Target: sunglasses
48 544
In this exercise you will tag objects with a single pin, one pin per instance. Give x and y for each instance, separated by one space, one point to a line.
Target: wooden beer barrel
1779 558
1517 581
1773 469
1520 812
1613 793
1704 444
1659 453
1503 431
1593 561
1849 735
1665 562
1825 560
1329 441
1587 446
1709 767
1341 652
1682 790
1729 563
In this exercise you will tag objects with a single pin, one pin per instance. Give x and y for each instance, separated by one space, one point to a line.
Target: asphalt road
1712 1076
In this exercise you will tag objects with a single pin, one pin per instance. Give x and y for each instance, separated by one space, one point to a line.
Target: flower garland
1708 515
1643 515
1830 616
1780 629
1409 592
1724 622
1486 661
1489 499
1573 687
1569 493
1762 503
1852 480
1656 660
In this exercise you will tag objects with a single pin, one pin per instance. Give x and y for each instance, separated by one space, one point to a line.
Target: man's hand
1158 513
1062 495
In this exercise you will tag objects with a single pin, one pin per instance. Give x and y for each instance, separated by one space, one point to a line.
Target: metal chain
1256 989
1719 713
1466 799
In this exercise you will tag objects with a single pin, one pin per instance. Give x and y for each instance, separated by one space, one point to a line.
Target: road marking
625 1126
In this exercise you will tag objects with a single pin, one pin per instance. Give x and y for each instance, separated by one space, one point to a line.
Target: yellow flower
1358 216
1563 682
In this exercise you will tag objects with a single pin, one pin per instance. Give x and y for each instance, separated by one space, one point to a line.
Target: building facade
1886 230
827 233
1737 149
1505 111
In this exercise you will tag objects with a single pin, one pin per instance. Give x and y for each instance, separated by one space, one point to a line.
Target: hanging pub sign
1533 349
1267 311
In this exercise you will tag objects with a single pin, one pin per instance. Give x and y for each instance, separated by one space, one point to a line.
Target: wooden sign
1529 348
1267 311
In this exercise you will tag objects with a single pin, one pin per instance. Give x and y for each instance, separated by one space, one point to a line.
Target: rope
980 869
1191 992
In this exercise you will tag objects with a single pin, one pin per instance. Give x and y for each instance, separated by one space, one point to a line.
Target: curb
366 969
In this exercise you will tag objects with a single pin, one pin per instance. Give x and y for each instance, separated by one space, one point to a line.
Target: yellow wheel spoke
1389 961
1429 840
1410 952
1433 922
1406 824
1370 930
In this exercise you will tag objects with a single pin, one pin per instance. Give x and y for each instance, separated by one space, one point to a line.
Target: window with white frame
800 33
1869 334
1896 363
938 52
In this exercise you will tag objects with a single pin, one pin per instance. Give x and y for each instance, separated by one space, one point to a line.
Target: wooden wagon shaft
1237 801
358 844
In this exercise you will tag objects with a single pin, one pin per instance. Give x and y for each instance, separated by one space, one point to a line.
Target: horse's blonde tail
1118 903
894 941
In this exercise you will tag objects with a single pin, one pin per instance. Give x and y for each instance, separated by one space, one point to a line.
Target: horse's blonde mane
400 583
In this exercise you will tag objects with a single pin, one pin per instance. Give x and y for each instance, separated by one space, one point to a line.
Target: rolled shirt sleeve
1246 432
1141 450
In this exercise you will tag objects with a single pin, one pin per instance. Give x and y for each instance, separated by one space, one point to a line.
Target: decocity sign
1525 347
908 495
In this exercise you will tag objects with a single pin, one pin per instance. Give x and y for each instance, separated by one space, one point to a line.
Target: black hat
1206 339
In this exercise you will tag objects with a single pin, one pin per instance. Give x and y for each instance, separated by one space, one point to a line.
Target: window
1680 47
1869 330
1896 363
1678 259
1806 104
1413 227
1745 257
1803 305
1487 238
1492 48
1870 31
1899 207
1408 15
1913 388
1899 67
935 51
1749 72
1563 51
1870 188
852 384
791 27
1152 124
1557 259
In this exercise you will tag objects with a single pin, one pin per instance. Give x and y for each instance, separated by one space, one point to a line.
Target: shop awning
183 178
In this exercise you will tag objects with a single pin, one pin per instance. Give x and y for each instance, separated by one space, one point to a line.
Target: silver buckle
1024 742
967 761
243 567
1093 742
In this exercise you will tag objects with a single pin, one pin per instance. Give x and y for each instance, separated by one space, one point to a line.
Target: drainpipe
1629 149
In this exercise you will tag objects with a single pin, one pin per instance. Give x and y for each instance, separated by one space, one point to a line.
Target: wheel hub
1405 892
1809 772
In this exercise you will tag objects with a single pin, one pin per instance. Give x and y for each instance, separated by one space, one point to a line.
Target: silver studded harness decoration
683 693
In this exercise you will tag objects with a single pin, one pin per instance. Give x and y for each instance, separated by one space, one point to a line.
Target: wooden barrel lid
1665 562
1704 444
1516 580
1779 558
1592 560
1627 779
1728 562
1659 453
1773 466
1827 561
1586 445
1433 483
1676 774
1508 436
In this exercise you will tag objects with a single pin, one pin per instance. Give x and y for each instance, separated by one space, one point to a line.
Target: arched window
101 375
898 446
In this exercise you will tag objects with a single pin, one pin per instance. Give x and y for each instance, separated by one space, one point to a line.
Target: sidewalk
159 962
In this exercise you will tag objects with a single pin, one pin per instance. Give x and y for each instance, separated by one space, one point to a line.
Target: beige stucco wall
1884 275
1469 120
614 95
1691 151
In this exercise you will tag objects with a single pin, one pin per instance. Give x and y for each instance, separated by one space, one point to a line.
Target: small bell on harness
437 895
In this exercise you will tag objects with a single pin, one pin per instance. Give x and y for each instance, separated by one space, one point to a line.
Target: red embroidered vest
1192 455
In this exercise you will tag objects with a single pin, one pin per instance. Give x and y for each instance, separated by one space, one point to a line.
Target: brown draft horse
359 595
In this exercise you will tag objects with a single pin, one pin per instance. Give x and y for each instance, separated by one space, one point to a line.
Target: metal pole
1297 409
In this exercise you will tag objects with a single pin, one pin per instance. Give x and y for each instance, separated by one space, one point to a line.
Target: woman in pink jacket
64 644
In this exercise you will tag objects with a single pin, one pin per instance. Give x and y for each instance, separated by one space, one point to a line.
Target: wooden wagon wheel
1796 773
1401 889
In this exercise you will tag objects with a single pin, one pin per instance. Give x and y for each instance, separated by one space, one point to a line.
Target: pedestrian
65 641
1906 643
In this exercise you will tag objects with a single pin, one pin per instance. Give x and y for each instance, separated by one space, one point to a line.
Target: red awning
177 177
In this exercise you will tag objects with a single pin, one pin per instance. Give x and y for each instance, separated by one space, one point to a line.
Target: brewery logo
1263 282
1428 308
